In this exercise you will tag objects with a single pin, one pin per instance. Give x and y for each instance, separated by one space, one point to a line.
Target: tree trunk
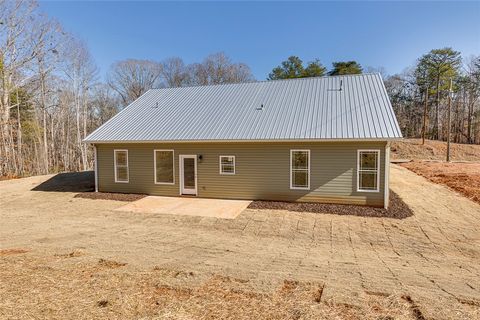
78 125
470 118
83 145
5 124
19 139
437 107
44 120
424 127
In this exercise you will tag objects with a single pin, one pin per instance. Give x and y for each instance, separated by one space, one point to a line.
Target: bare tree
49 95
218 68
132 78
381 70
471 93
25 36
80 72
175 73
105 104
405 96
50 98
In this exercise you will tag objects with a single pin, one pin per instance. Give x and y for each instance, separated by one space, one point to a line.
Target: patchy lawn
63 257
461 177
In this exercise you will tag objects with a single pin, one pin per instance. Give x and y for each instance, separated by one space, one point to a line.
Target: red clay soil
461 177
433 150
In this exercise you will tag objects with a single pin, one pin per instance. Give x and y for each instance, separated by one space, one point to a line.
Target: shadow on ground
69 182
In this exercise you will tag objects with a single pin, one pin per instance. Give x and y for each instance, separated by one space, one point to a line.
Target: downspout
387 176
96 167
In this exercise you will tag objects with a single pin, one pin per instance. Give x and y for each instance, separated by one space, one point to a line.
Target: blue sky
262 34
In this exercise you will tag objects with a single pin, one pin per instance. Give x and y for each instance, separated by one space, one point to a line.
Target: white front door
188 174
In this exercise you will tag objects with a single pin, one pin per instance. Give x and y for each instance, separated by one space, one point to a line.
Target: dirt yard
433 150
461 177
63 257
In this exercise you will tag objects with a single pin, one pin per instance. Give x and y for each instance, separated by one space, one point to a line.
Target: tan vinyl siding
262 171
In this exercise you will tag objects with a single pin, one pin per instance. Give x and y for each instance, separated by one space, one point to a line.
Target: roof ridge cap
268 81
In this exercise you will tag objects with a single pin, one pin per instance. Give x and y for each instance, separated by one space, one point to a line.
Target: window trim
155 166
291 169
377 151
387 176
116 166
220 166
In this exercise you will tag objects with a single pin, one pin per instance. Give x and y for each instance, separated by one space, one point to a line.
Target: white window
300 169
121 165
368 164
227 164
164 166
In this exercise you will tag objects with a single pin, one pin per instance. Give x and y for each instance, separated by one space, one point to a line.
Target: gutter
243 140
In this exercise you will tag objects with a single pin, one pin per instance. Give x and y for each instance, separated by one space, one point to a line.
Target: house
323 139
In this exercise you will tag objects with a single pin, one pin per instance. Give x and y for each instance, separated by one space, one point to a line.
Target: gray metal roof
297 109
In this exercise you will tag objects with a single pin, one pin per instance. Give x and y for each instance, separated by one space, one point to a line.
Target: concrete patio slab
215 208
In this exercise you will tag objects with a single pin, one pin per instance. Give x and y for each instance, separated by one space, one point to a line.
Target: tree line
420 96
294 67
52 97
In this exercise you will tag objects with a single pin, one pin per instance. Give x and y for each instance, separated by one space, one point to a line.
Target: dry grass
7 252
433 150
48 287
72 254
111 264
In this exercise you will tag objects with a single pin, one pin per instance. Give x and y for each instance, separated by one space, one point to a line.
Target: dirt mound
433 150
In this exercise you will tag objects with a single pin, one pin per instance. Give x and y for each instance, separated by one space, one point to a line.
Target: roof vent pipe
260 108
339 89
156 105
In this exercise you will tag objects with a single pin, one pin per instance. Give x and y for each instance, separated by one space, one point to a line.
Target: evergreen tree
293 68
433 73
314 69
345 67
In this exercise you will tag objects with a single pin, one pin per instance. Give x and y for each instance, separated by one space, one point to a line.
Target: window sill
369 191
